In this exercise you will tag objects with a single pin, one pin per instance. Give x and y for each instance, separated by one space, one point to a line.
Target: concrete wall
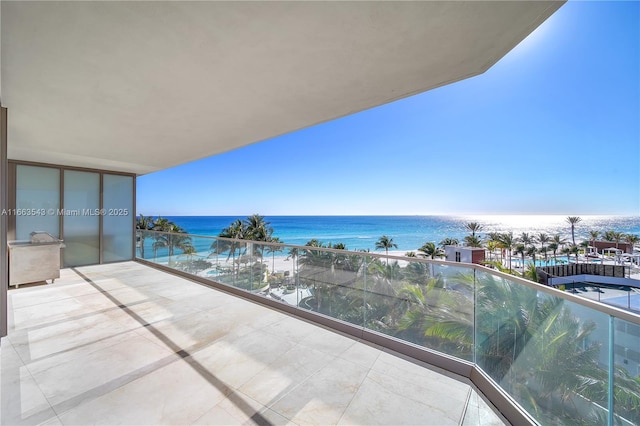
4 264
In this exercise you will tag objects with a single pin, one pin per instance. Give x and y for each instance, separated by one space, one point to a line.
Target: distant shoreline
408 231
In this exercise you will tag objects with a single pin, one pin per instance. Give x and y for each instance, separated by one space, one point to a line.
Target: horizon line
400 215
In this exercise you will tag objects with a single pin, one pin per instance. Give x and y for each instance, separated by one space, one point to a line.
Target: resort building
94 94
602 247
465 254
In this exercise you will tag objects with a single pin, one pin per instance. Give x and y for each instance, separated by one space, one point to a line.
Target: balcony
539 354
128 344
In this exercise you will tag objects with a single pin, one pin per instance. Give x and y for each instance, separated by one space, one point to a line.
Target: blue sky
552 128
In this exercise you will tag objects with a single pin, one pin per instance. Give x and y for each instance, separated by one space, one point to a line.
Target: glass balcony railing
562 359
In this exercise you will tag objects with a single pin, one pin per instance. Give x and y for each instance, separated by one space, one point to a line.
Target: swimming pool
559 260
621 296
630 301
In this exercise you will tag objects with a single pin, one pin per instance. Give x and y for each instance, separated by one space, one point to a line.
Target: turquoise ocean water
408 232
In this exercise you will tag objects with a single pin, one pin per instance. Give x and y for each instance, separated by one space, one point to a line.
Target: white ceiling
142 86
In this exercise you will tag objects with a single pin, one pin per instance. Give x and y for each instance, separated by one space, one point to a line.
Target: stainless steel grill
34 260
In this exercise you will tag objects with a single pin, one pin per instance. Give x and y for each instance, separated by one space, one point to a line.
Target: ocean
408 232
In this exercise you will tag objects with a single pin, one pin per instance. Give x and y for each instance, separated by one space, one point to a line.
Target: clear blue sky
552 128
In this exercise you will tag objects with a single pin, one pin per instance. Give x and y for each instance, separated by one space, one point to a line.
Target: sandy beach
283 264
278 264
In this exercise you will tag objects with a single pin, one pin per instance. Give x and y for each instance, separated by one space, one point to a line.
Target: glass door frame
12 190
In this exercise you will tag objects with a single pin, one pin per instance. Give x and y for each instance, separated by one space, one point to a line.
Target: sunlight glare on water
532 224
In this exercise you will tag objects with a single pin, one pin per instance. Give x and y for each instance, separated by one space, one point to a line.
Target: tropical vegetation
386 243
534 345
167 235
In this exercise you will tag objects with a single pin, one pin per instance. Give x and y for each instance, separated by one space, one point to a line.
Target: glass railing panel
259 270
223 252
144 249
193 255
427 304
234 263
455 310
282 269
330 283
549 354
153 246
621 297
383 298
626 356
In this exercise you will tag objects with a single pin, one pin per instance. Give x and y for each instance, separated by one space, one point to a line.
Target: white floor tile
128 344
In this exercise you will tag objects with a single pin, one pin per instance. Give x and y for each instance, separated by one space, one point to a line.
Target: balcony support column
610 390
4 190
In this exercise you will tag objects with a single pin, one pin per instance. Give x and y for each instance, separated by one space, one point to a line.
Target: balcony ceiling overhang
143 86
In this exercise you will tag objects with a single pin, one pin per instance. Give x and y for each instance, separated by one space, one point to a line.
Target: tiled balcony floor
127 344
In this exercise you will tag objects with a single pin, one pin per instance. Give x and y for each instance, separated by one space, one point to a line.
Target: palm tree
430 249
161 240
189 251
585 248
175 240
594 236
293 255
318 269
472 241
161 224
386 243
436 317
531 251
617 237
521 249
553 246
574 250
143 224
514 318
531 273
273 249
235 231
257 229
492 245
608 235
159 243
507 241
544 250
543 239
170 236
632 239
573 220
167 238
526 239
559 240
448 242
473 227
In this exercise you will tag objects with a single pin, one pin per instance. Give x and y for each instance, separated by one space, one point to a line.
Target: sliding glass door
92 211
117 223
81 222
37 201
